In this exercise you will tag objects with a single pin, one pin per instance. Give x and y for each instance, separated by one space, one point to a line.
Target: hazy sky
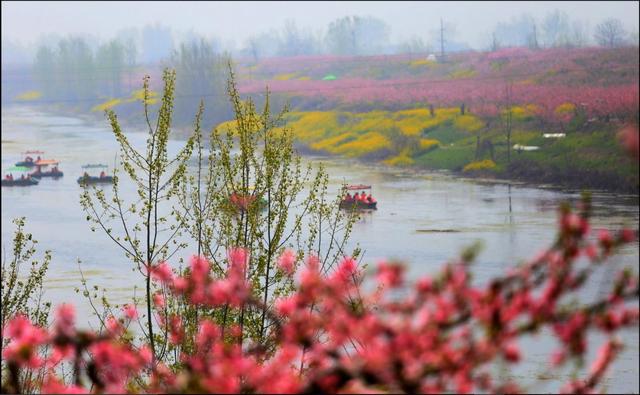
25 22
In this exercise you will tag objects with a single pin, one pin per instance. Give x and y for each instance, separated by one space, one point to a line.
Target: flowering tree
439 334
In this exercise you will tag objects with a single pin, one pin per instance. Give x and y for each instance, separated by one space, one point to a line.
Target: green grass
445 133
447 157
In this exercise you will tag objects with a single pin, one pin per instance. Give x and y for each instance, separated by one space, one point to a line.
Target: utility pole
509 116
441 40
535 37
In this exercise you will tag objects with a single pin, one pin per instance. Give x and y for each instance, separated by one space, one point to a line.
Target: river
423 219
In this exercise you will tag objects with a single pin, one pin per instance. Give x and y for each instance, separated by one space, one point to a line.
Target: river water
423 219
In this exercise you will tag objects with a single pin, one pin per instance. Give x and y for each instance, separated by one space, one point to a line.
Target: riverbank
585 158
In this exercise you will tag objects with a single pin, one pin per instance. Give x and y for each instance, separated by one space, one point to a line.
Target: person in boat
361 197
348 198
11 176
85 175
102 174
28 159
37 159
22 176
370 198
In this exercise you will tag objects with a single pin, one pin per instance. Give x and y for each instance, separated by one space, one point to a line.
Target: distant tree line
556 29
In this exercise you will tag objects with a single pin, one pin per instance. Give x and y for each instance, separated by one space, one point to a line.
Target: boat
53 173
28 160
87 179
353 204
19 182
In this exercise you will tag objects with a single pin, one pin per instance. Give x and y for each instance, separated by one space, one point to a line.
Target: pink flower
591 251
390 274
199 267
511 352
627 235
238 259
346 269
113 326
208 332
130 311
146 355
605 355
180 285
65 319
605 239
176 332
162 272
630 140
59 354
424 284
286 261
558 358
286 306
52 385
24 339
158 300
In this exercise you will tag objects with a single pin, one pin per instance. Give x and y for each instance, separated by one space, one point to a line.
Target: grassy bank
588 156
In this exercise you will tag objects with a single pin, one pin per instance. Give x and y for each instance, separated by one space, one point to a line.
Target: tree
245 198
354 35
295 42
579 34
42 68
414 45
516 32
156 179
157 43
610 33
110 59
555 29
201 73
22 293
506 116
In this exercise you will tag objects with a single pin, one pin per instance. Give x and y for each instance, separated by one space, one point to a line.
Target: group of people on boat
102 174
359 197
54 170
9 177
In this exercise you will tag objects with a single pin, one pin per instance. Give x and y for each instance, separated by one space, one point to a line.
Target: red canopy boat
349 202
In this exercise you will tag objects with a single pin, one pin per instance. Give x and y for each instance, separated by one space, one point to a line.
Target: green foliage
22 292
147 234
253 156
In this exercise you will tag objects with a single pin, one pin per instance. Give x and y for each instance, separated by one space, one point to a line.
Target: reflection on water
423 219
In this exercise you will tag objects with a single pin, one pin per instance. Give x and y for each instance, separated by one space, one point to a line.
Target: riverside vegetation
405 110
276 304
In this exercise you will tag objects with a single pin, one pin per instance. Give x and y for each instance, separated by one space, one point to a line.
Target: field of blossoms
406 110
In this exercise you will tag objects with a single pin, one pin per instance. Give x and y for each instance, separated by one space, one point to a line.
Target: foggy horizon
30 23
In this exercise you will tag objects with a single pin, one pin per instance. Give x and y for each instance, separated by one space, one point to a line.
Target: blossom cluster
441 333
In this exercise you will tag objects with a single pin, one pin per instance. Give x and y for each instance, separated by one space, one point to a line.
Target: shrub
486 164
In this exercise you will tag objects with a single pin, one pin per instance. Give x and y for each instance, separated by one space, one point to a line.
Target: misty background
83 53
